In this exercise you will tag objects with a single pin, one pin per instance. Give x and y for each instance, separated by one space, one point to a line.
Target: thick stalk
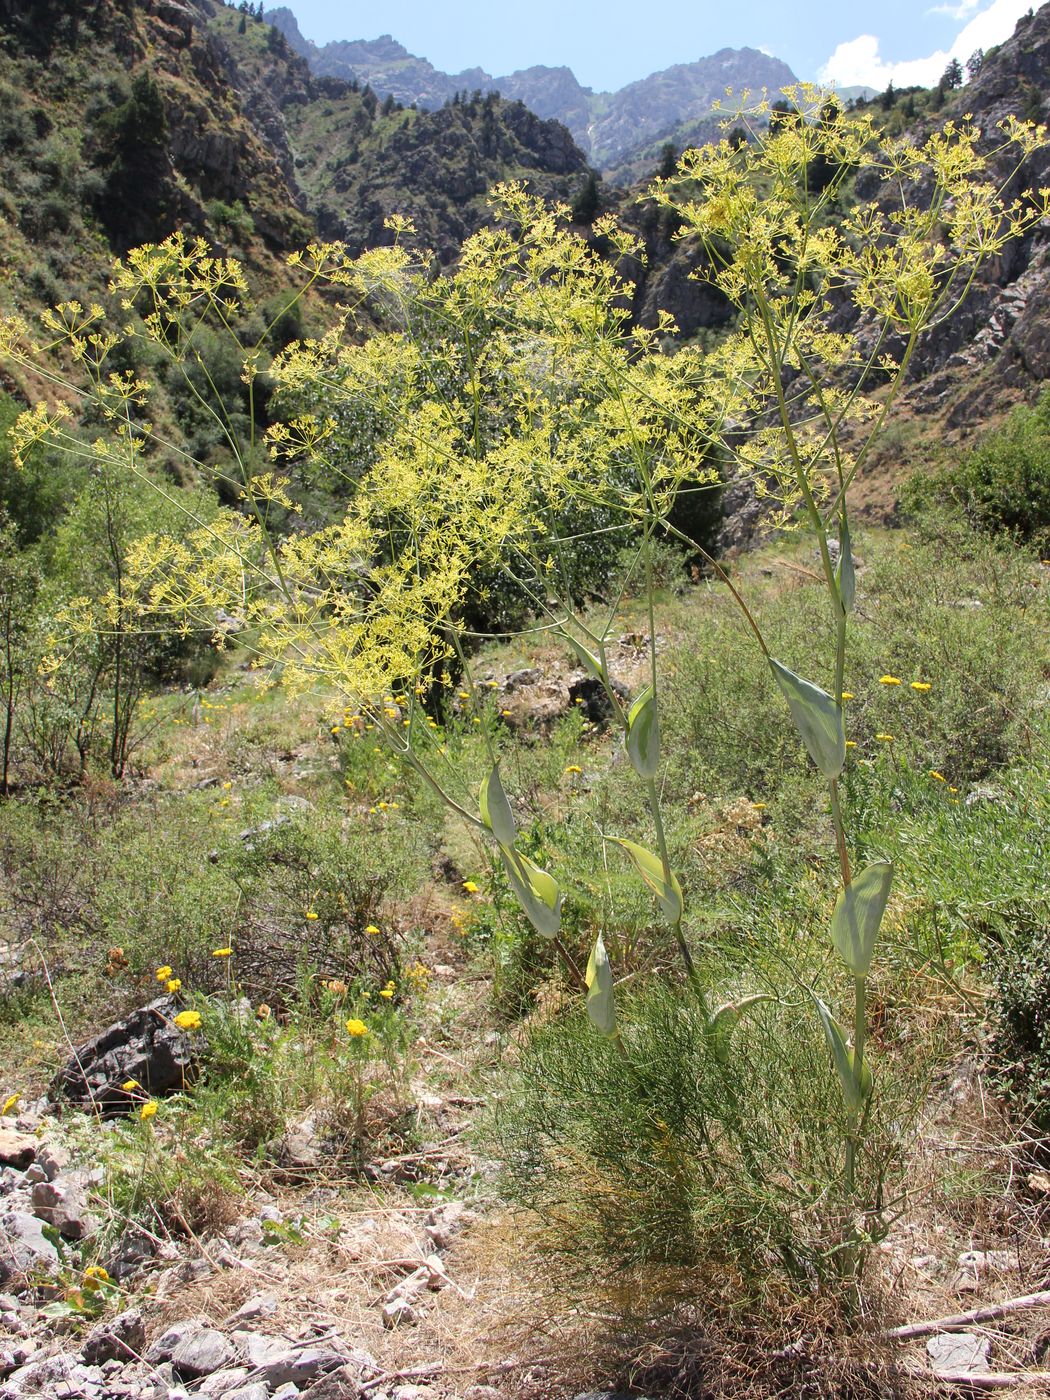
661 843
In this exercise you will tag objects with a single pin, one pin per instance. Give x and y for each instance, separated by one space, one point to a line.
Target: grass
665 1168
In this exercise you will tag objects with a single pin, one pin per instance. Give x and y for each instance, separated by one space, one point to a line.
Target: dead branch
961 1320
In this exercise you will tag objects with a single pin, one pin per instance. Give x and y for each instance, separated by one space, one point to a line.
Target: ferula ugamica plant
492 433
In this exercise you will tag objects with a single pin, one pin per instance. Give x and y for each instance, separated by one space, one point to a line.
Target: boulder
63 1204
23 1246
17 1149
146 1046
200 1353
116 1339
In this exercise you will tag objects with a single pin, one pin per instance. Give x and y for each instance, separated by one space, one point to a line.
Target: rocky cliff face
997 349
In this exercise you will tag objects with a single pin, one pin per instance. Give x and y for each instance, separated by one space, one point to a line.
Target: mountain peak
607 126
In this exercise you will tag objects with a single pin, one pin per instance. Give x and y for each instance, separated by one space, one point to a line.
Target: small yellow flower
173 984
222 952
130 1085
920 685
889 680
851 743
952 789
884 738
311 914
335 728
574 768
371 929
471 887
505 714
10 1104
148 1110
939 776
355 1027
163 973
188 1020
94 1277
847 695
759 806
387 992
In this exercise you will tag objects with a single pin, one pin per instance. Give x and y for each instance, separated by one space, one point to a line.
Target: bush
1003 486
651 1156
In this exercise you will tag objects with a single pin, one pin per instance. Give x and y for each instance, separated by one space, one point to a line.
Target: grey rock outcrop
146 1046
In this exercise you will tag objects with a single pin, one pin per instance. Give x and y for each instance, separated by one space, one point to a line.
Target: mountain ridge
607 126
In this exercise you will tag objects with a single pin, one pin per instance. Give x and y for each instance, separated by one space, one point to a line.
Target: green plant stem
661 842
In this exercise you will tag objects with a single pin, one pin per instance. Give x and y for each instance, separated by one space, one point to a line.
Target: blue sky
608 43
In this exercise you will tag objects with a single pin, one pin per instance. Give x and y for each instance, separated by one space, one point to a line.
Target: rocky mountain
353 161
607 126
127 119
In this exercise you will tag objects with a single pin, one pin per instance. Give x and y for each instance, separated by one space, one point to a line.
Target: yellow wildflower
851 743
884 738
148 1110
188 1020
847 695
173 984
355 1027
471 887
889 680
222 952
939 776
130 1085
920 685
388 990
371 929
163 973
574 768
10 1104
311 914
94 1277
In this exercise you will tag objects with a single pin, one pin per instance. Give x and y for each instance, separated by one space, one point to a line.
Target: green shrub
1003 485
651 1156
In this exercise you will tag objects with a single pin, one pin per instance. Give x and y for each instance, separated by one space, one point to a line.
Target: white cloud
858 61
962 10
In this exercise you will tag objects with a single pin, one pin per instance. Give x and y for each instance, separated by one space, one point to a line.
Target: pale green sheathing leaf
858 916
587 659
495 809
643 735
600 1005
537 891
725 1020
650 868
855 1096
817 717
846 577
